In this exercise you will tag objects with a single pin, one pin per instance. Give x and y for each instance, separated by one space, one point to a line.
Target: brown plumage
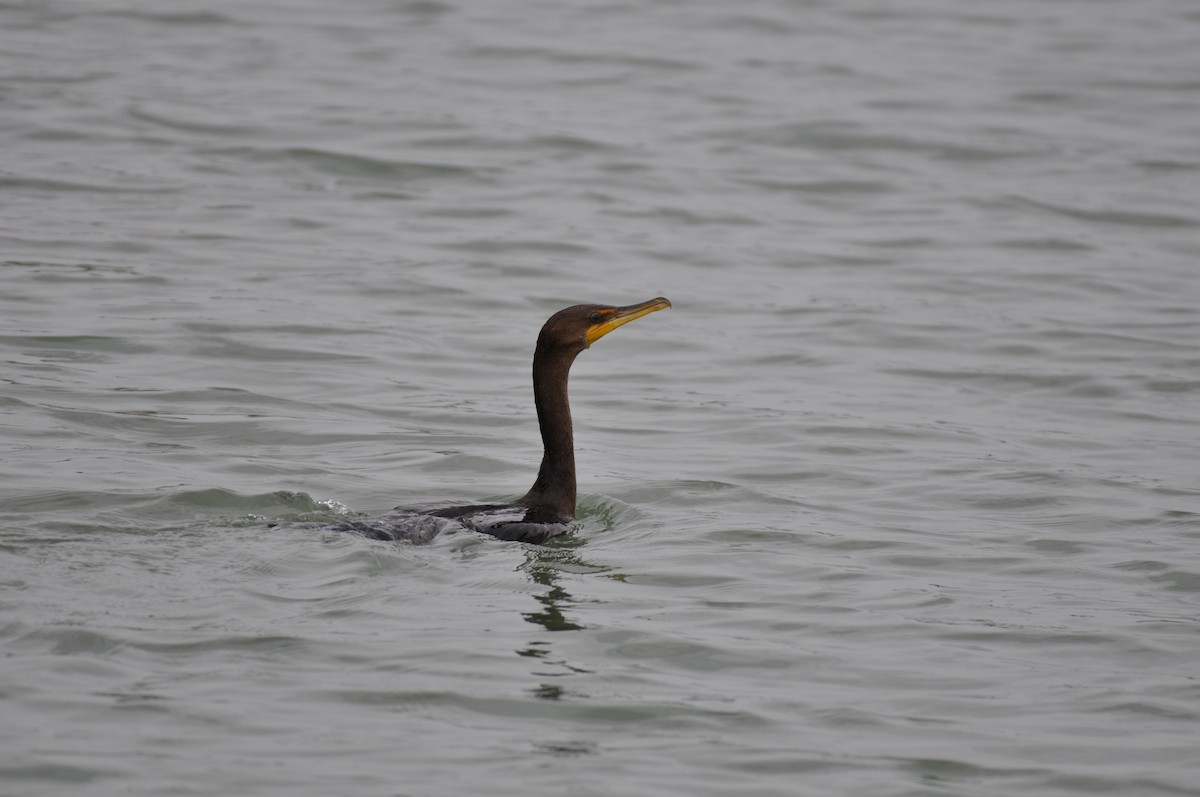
549 507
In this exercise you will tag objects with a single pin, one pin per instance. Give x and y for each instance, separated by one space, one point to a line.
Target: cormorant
548 509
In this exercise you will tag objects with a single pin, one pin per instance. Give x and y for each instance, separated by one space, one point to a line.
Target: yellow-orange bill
623 315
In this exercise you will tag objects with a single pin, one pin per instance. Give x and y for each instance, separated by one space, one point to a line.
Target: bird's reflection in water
545 565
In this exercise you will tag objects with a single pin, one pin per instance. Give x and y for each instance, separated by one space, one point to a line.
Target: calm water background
901 498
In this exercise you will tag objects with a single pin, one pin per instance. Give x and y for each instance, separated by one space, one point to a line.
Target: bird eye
594 318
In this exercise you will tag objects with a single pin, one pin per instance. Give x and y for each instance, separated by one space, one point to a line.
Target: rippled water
901 498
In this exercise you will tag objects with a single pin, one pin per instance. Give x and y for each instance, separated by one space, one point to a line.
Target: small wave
517 247
65 186
351 165
1121 217
1047 245
188 18
847 136
566 56
825 187
187 125
221 500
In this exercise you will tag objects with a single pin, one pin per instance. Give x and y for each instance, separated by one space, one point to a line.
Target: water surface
900 498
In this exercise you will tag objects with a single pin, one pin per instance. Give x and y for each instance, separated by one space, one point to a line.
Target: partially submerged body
423 522
548 509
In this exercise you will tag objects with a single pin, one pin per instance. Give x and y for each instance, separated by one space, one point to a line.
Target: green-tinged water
900 498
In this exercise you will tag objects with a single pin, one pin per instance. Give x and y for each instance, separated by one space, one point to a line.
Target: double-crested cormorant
549 507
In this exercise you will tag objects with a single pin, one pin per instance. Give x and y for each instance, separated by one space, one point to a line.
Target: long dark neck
554 491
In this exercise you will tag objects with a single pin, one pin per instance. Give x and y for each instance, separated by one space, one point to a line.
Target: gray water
902 497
